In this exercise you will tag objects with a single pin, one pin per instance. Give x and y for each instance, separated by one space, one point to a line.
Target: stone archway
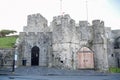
117 43
85 58
35 56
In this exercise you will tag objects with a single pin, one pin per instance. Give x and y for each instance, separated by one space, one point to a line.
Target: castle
67 45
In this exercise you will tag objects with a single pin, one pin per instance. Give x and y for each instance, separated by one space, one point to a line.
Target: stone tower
35 43
100 45
36 23
64 42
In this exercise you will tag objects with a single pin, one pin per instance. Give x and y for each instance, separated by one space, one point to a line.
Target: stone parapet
36 18
83 23
34 34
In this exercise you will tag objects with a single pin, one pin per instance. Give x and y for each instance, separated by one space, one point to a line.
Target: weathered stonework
36 23
61 44
116 45
6 58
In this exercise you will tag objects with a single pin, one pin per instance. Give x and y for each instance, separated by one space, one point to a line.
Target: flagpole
60 7
87 10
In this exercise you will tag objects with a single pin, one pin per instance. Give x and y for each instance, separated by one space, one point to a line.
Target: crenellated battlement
23 34
36 16
83 23
36 20
66 19
66 16
97 23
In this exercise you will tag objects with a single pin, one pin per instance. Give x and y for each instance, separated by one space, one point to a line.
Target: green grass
114 70
7 42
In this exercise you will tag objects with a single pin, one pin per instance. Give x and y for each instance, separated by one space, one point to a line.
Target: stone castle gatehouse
65 44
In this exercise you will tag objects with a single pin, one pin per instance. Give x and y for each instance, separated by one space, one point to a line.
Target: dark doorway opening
35 56
118 61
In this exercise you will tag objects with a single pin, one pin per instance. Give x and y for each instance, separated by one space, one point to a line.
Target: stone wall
65 42
36 23
6 58
36 33
100 45
110 47
60 42
117 55
116 46
41 40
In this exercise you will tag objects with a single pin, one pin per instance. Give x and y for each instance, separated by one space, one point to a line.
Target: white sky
13 13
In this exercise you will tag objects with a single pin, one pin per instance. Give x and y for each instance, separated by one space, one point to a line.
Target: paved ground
113 77
43 73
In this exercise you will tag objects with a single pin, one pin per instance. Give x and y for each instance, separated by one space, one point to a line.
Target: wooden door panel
80 61
88 58
85 59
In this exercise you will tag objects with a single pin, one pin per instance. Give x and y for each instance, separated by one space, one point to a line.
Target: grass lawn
7 42
114 70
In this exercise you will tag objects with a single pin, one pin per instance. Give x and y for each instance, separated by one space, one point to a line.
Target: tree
3 33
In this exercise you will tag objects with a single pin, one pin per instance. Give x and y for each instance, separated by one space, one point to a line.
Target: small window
61 61
52 55
112 55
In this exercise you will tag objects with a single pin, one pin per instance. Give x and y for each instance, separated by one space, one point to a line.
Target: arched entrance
85 58
35 56
117 43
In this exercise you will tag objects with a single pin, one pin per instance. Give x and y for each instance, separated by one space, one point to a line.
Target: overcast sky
13 13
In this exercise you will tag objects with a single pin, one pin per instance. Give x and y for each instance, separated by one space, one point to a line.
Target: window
112 55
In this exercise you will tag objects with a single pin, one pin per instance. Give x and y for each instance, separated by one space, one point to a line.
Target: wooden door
85 59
